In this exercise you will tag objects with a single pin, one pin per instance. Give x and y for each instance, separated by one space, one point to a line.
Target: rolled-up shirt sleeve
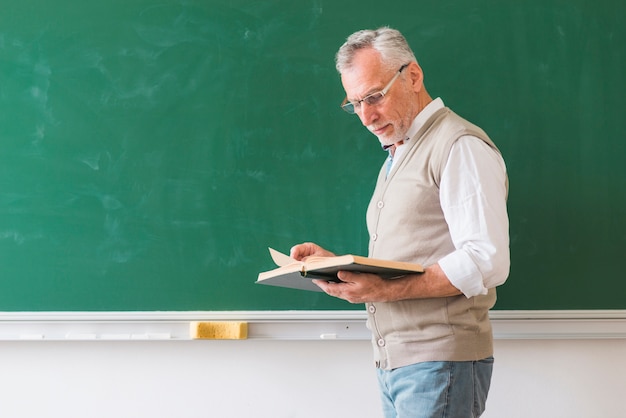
473 193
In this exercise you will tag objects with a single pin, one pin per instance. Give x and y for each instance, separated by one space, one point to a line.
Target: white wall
533 378
559 378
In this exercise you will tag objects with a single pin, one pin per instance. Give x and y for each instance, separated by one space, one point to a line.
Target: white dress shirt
473 198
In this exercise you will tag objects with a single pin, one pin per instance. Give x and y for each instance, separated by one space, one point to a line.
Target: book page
281 259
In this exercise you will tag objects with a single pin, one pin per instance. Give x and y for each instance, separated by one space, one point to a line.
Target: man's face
391 118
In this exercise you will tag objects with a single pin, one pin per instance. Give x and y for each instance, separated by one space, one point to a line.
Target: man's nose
367 114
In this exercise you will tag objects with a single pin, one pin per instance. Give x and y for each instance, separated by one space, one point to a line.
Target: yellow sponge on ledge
219 330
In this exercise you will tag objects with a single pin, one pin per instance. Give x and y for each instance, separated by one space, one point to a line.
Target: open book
298 274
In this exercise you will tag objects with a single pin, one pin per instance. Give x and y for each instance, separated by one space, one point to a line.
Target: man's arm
474 202
357 288
361 288
473 195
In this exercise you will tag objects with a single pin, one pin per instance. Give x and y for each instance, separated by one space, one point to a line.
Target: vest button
374 237
380 342
380 204
371 309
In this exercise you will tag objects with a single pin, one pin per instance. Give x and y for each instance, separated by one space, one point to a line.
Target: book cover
296 274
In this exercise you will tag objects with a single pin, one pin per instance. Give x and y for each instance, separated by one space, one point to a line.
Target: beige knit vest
406 223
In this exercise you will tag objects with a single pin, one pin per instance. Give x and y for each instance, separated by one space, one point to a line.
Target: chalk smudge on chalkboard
13 235
92 162
110 202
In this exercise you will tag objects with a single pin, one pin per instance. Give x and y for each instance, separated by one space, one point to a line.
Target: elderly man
440 200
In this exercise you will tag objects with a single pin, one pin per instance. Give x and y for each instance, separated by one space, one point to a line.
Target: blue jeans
438 389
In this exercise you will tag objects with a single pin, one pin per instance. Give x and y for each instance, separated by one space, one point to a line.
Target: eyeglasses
373 99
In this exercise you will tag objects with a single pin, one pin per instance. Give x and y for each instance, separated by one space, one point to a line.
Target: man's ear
416 75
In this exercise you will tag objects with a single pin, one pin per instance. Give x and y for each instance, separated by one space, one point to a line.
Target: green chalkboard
151 151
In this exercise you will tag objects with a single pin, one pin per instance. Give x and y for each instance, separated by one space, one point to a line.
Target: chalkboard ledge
288 325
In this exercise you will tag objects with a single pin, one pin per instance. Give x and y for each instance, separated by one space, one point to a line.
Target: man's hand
362 288
308 249
355 287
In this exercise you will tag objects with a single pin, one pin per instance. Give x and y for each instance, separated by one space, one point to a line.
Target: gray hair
392 46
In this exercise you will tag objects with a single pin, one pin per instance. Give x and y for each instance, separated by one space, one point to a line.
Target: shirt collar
419 120
423 116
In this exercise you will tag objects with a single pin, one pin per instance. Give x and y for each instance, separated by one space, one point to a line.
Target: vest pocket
419 320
